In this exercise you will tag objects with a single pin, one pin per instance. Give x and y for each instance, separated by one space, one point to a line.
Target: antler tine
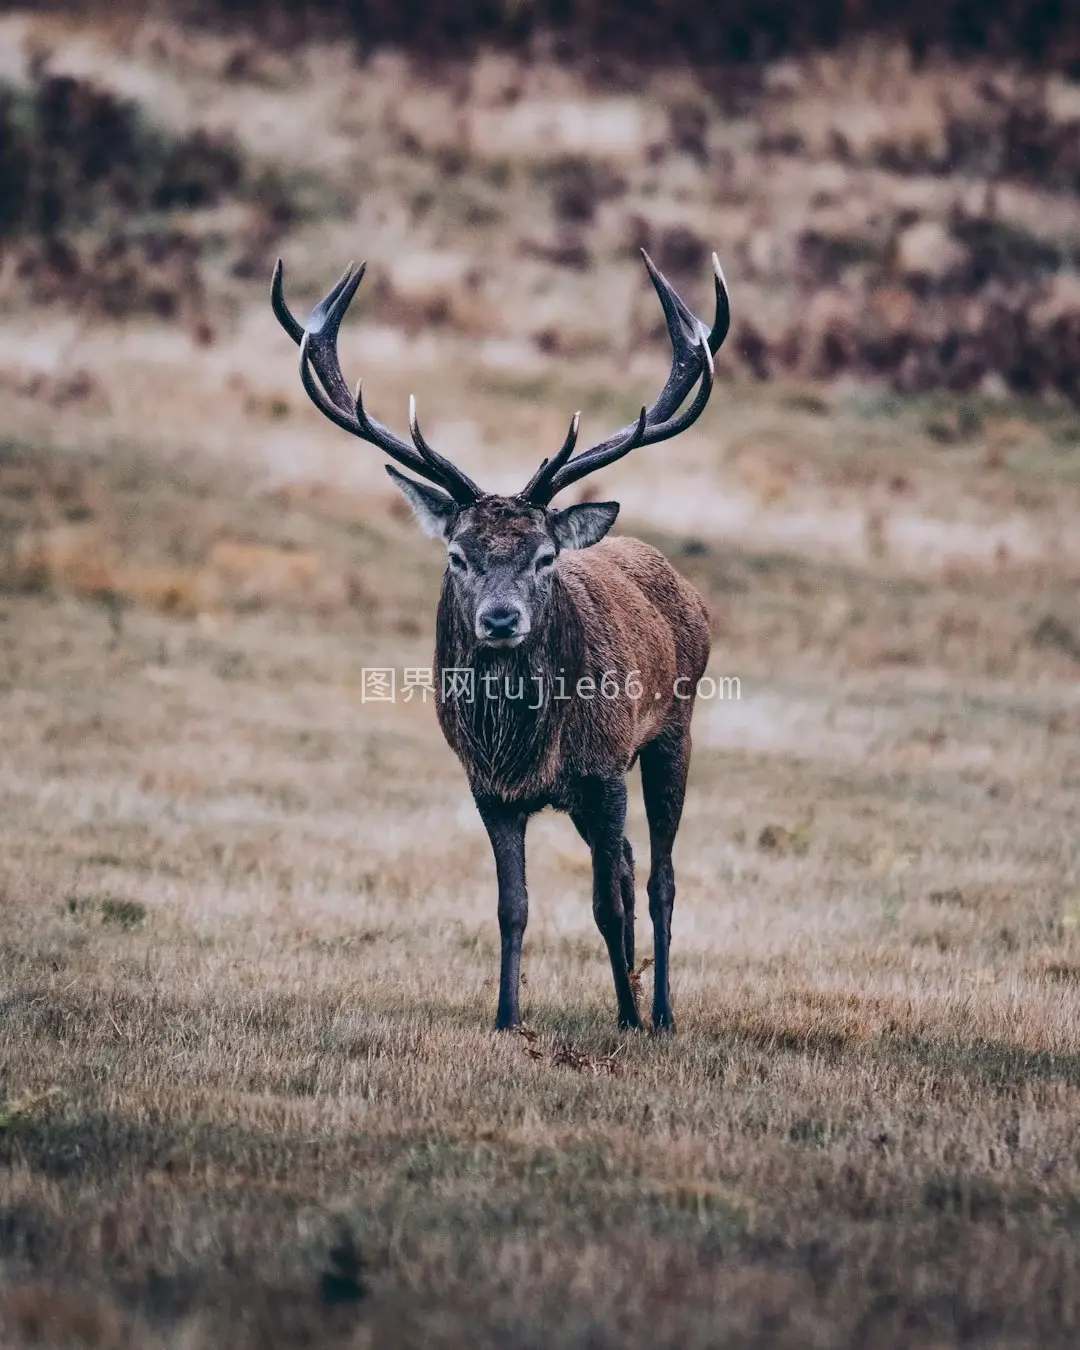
320 373
638 434
654 432
692 348
322 329
722 313
683 331
285 316
551 466
281 309
458 484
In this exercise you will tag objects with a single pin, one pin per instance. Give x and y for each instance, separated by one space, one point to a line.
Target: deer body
550 714
562 657
609 676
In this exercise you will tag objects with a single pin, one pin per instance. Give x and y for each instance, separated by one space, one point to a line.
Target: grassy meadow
249 1091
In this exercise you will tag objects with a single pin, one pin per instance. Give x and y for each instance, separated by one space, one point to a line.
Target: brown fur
616 607
533 735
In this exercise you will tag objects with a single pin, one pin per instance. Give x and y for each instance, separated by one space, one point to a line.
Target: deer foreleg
506 830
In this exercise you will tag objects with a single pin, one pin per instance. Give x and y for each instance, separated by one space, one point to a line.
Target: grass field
249 1092
249 951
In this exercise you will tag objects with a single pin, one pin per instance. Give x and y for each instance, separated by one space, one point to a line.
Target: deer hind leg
664 765
626 886
600 818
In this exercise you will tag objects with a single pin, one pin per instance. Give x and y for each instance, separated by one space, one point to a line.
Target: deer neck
504 721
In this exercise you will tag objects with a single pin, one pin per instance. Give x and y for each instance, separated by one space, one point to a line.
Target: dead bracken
561 1053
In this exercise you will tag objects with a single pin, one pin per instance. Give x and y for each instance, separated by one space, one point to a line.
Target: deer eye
457 562
544 561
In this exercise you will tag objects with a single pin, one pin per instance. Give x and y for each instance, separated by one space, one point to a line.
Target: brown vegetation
246 1099
91 199
738 30
902 222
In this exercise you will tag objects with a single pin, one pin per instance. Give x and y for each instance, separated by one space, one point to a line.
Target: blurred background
891 188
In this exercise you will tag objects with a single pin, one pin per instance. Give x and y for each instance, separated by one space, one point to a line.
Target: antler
320 371
693 347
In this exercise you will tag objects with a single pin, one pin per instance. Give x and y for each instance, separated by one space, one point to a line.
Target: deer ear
582 525
435 510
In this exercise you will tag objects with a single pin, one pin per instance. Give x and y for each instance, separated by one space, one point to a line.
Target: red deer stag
582 654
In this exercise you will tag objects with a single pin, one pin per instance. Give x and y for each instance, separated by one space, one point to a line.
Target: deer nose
500 623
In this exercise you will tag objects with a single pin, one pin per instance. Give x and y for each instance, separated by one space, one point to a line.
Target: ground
249 1090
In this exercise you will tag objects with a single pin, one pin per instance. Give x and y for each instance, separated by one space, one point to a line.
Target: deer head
501 551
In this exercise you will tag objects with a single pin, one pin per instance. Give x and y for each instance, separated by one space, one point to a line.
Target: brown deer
561 657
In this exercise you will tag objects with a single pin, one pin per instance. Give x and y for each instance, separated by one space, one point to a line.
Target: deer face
501 555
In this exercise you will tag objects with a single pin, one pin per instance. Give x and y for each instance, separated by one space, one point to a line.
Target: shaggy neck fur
509 735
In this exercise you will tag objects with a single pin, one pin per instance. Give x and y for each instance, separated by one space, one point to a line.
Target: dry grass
249 1095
